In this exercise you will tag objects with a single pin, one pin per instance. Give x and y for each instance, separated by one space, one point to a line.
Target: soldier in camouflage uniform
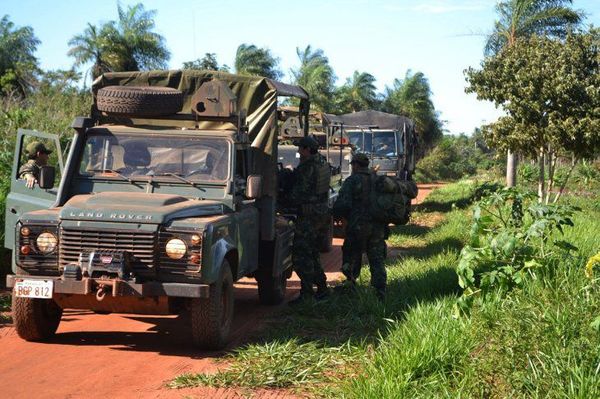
309 197
38 157
363 234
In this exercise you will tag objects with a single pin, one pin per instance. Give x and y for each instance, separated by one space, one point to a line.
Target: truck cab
167 197
389 140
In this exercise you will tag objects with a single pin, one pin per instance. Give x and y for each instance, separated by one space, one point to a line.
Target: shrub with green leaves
512 237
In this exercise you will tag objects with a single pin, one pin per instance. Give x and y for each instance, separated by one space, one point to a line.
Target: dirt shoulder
129 356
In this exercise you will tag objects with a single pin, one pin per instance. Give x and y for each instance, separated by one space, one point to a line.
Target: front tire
35 319
212 317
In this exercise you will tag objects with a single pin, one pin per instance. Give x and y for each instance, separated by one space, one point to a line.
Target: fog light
25 249
46 242
175 248
25 231
196 239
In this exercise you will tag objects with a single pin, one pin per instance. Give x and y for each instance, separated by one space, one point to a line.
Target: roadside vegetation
540 338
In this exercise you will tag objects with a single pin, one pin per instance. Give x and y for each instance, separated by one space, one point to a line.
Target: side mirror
47 175
254 187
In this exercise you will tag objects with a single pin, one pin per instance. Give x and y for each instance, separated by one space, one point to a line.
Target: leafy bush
50 109
528 173
453 158
511 238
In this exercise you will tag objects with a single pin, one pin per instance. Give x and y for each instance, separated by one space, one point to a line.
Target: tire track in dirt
133 356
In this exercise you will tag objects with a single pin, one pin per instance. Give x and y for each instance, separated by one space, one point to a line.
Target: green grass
535 342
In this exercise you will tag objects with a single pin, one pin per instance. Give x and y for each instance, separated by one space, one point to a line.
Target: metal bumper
119 288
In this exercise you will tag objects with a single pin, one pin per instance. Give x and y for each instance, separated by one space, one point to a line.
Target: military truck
169 194
389 140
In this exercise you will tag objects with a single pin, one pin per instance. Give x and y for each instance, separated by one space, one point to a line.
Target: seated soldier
37 153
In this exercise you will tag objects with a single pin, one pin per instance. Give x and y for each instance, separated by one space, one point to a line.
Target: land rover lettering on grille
117 216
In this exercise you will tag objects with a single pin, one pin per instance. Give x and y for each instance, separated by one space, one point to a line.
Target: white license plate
34 288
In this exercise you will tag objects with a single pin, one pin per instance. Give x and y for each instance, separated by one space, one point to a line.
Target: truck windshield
379 143
136 157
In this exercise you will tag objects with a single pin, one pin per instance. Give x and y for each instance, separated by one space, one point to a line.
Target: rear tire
35 319
212 317
271 289
139 100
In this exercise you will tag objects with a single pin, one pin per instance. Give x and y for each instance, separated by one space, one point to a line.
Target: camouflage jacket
303 195
30 167
353 199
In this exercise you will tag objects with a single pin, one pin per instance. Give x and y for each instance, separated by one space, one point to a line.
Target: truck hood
137 207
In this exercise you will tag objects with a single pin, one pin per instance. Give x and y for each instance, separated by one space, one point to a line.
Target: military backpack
389 199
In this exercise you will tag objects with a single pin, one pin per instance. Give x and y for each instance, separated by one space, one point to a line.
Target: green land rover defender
169 194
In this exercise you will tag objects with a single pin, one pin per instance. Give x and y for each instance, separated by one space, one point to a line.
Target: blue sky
440 38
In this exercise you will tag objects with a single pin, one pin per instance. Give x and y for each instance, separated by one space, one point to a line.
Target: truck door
22 199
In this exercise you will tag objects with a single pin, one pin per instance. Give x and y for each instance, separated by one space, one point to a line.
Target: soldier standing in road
309 196
38 157
363 234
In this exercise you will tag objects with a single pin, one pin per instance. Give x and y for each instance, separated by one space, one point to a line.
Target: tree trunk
562 186
551 159
511 169
542 177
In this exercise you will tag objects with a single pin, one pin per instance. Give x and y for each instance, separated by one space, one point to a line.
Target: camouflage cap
361 159
35 146
308 142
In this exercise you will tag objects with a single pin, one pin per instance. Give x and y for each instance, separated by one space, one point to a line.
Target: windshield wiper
122 176
179 177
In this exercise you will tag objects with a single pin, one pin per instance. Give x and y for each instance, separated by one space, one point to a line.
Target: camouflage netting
256 95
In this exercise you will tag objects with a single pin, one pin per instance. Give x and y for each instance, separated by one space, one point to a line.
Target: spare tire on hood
139 100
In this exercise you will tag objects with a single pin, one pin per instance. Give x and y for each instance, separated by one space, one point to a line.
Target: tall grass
538 341
49 110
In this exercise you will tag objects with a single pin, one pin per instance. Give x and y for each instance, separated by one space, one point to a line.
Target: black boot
302 298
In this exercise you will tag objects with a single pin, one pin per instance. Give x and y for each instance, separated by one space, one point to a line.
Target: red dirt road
132 356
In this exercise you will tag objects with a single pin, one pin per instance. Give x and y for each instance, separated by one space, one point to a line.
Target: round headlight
46 242
175 248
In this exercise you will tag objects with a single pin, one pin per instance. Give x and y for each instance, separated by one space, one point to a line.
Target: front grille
141 244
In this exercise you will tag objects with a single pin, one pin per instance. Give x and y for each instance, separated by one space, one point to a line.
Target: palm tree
18 65
124 45
524 18
411 97
518 19
252 60
91 46
358 93
316 76
138 47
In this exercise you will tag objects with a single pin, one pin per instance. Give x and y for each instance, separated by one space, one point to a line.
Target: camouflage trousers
369 239
306 254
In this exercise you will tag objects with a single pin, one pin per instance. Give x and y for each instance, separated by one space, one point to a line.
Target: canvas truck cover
371 118
256 95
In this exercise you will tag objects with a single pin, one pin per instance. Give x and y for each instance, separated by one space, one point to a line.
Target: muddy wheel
139 100
327 243
35 319
271 289
212 317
